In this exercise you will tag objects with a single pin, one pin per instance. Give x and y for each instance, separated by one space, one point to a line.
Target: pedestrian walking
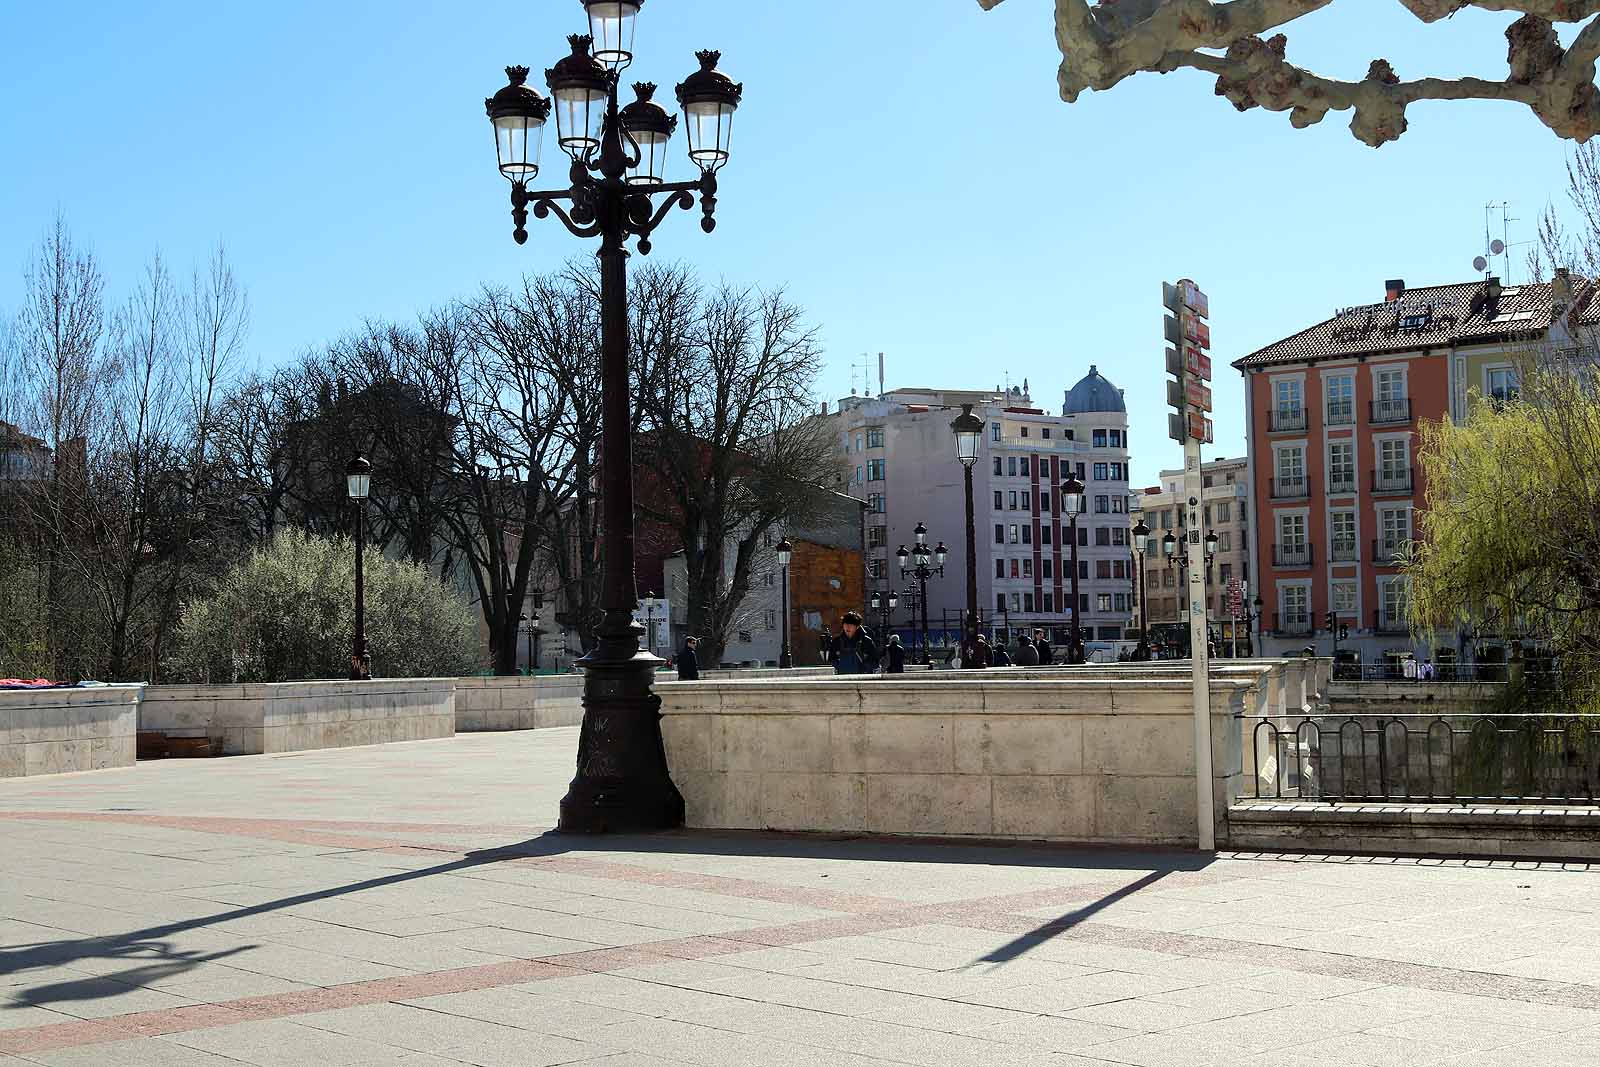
689 662
1043 646
998 656
896 655
853 651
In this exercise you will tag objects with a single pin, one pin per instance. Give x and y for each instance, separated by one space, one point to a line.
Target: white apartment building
900 459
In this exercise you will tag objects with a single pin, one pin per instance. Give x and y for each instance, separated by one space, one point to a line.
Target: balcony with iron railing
1391 620
1343 550
1386 551
1391 410
1341 481
1290 488
1292 625
1300 555
1392 480
1286 418
1341 414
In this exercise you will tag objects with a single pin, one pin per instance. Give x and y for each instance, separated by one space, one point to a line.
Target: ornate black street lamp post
968 429
916 564
884 603
1141 543
358 480
785 553
1173 548
618 160
1072 504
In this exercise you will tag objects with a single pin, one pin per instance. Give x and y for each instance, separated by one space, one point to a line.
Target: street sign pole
1188 308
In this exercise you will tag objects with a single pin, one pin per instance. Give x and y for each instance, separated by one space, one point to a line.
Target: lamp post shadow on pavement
618 157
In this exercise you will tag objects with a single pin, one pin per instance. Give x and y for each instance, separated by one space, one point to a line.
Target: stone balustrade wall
48 731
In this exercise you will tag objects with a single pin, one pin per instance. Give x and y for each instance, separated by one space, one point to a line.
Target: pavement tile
1050 1033
143 1053
281 1043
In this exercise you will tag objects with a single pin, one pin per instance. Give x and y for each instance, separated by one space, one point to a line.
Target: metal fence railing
1425 758
1393 671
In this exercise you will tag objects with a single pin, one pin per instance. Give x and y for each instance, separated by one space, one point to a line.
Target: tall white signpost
1187 332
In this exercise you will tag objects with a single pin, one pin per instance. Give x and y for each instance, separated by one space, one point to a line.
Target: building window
1098 440
875 470
1117 439
1296 606
1016 601
1394 464
1292 534
1083 537
875 568
1102 568
997 467
999 500
1225 572
1500 384
1119 601
1343 597
1224 541
999 534
1395 527
1011 466
1224 512
1045 566
1023 430
1341 467
1118 472
858 474
874 438
1083 571
1027 602
771 619
1102 504
1288 402
875 503
1012 500
1102 535
1119 535
1044 535
1102 472
1341 399
1000 602
1049 603
1102 602
1016 534
1027 535
999 568
994 433
858 442
1119 568
1044 501
1027 567
1119 505
877 536
1392 601
1342 536
1016 568
1045 433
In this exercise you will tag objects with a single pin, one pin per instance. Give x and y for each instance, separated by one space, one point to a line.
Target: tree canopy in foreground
1105 43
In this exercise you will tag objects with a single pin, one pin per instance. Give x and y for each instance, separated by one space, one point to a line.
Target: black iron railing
1290 488
1385 553
1393 671
1389 622
1341 414
1300 555
1291 625
1544 758
1344 551
1392 481
1395 409
1286 419
1341 482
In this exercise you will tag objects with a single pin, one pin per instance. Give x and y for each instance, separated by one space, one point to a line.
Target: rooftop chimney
1561 289
1394 289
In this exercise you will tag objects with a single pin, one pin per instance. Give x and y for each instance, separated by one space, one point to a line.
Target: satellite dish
1496 246
1479 263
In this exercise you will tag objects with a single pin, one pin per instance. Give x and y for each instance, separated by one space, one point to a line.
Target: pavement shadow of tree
169 962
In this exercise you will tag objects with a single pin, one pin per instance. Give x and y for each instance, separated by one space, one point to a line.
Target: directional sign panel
1175 426
1194 299
1196 392
1200 427
1195 331
1197 363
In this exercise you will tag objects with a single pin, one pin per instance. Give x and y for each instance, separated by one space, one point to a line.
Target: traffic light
1333 620
1344 631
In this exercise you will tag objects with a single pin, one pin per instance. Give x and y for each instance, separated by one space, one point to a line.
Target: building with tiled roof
1332 423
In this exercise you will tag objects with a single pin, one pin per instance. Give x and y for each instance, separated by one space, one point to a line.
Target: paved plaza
408 904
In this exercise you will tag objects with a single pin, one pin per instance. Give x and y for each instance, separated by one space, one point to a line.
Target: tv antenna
1496 246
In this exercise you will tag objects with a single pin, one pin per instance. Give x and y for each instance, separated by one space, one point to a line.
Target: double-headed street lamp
618 163
1176 556
968 429
1141 543
916 564
785 554
1072 504
884 602
358 481
534 630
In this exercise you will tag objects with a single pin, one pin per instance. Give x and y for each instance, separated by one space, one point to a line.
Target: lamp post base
622 784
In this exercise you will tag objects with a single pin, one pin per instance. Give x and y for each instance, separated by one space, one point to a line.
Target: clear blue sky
904 167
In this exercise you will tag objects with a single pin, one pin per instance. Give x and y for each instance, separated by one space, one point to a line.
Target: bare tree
727 446
1105 43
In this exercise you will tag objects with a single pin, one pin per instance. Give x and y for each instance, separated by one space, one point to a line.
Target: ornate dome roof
1093 393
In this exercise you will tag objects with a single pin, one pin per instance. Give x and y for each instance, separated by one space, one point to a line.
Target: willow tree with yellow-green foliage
1510 541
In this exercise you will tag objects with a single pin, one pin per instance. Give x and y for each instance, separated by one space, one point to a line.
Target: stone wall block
796 801
1058 807
910 743
1018 744
933 804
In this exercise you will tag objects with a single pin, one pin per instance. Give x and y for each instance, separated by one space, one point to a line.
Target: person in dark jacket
689 662
1027 655
853 651
1042 645
896 653
999 657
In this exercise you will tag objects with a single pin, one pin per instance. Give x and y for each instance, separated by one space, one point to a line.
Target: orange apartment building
1332 419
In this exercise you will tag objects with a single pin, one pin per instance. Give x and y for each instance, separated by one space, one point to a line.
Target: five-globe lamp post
1072 504
785 554
358 482
618 161
922 563
968 429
